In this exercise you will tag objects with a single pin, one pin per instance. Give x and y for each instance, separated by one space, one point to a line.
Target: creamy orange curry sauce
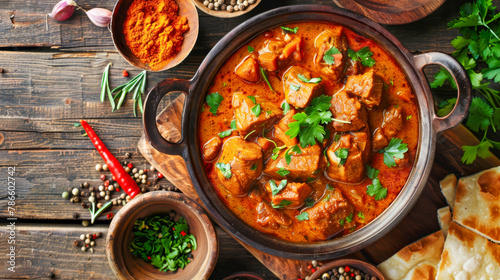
299 161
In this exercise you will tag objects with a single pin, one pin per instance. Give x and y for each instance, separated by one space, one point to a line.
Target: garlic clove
99 16
63 10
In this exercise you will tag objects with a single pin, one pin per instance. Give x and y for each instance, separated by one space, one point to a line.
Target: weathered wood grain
45 251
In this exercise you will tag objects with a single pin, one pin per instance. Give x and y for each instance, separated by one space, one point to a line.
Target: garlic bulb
99 16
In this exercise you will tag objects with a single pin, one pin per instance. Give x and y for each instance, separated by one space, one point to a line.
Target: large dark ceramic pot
195 89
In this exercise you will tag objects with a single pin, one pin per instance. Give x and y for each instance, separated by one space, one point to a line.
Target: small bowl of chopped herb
162 235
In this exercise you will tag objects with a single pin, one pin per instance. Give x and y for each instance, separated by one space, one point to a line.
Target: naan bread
444 219
423 271
448 188
468 255
477 203
419 258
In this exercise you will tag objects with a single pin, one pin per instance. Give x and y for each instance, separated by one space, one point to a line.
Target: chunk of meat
247 121
367 86
354 67
325 215
348 109
245 159
303 165
350 169
392 124
295 193
248 70
266 145
282 126
328 39
269 61
211 148
297 92
269 217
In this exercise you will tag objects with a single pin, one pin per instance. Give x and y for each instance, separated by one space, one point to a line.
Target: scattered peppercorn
130 165
85 223
160 175
65 195
98 167
85 184
125 73
103 177
110 216
75 191
76 243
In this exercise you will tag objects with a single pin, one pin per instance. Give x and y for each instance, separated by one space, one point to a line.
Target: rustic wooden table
51 78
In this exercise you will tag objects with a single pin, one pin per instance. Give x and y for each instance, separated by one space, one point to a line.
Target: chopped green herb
276 150
392 82
327 159
269 112
233 124
296 149
290 30
294 87
283 203
225 133
395 149
161 241
254 167
213 101
266 79
286 107
77 124
303 216
329 187
250 49
328 57
282 172
446 106
349 218
327 198
309 201
309 81
256 110
225 169
288 157
341 222
376 189
246 136
371 172
408 117
309 180
252 98
342 154
275 189
364 55
336 138
361 215
224 84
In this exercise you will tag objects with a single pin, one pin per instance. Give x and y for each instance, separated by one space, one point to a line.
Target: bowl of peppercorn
226 8
347 269
162 235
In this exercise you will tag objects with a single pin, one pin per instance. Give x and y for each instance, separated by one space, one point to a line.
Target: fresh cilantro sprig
364 55
290 30
479 44
342 154
395 149
375 189
275 189
213 101
266 78
303 78
228 132
225 169
303 216
308 125
283 203
328 56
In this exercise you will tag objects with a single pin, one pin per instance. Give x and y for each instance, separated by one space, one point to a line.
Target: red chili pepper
347 268
124 180
183 233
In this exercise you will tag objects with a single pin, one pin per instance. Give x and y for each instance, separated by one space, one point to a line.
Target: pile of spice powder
154 31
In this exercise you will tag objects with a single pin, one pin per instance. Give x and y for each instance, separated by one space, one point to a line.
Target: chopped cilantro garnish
296 149
342 154
275 189
251 97
361 215
233 124
294 87
341 222
225 169
250 49
282 172
309 180
266 79
303 216
408 117
364 55
375 189
286 107
303 78
213 101
225 133
288 157
309 201
329 187
282 204
349 218
327 198
290 30
254 167
328 56
256 110
395 149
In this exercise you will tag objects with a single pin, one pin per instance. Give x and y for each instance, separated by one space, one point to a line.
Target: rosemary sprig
137 85
94 214
105 87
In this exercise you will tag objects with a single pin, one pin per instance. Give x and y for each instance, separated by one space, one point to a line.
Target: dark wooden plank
46 250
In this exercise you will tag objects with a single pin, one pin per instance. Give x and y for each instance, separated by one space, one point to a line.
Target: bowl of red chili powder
154 35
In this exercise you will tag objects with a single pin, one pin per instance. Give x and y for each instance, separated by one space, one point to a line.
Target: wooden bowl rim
247 274
190 37
173 198
357 264
224 14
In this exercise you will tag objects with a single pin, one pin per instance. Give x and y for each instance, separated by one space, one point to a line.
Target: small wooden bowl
127 266
186 8
354 264
224 14
244 275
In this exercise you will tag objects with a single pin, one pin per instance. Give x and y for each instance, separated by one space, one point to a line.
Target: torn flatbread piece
426 270
444 219
477 203
468 255
448 188
419 258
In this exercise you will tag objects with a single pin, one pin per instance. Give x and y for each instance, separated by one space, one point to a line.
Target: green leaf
286 107
288 157
376 190
282 172
328 56
252 98
442 76
371 172
364 55
283 203
395 149
233 124
294 87
480 114
493 70
264 75
342 154
225 169
296 149
225 133
471 152
275 189
290 30
445 107
303 216
309 202
341 222
213 101
349 218
408 117
361 215
310 81
256 110
254 167
250 49
329 187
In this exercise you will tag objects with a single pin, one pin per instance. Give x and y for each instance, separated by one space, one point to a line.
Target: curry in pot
309 132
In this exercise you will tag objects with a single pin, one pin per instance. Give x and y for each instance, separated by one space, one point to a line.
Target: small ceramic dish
244 275
224 14
353 266
186 9
127 266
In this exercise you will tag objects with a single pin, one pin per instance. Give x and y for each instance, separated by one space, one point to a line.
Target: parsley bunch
479 26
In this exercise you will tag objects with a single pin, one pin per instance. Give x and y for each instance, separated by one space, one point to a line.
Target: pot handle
150 112
457 115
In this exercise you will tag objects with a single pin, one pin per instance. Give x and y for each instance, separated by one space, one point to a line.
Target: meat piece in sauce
349 109
211 148
269 61
247 121
282 126
354 67
297 92
294 193
367 86
269 217
350 169
325 215
328 39
248 70
306 164
392 124
266 145
245 159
